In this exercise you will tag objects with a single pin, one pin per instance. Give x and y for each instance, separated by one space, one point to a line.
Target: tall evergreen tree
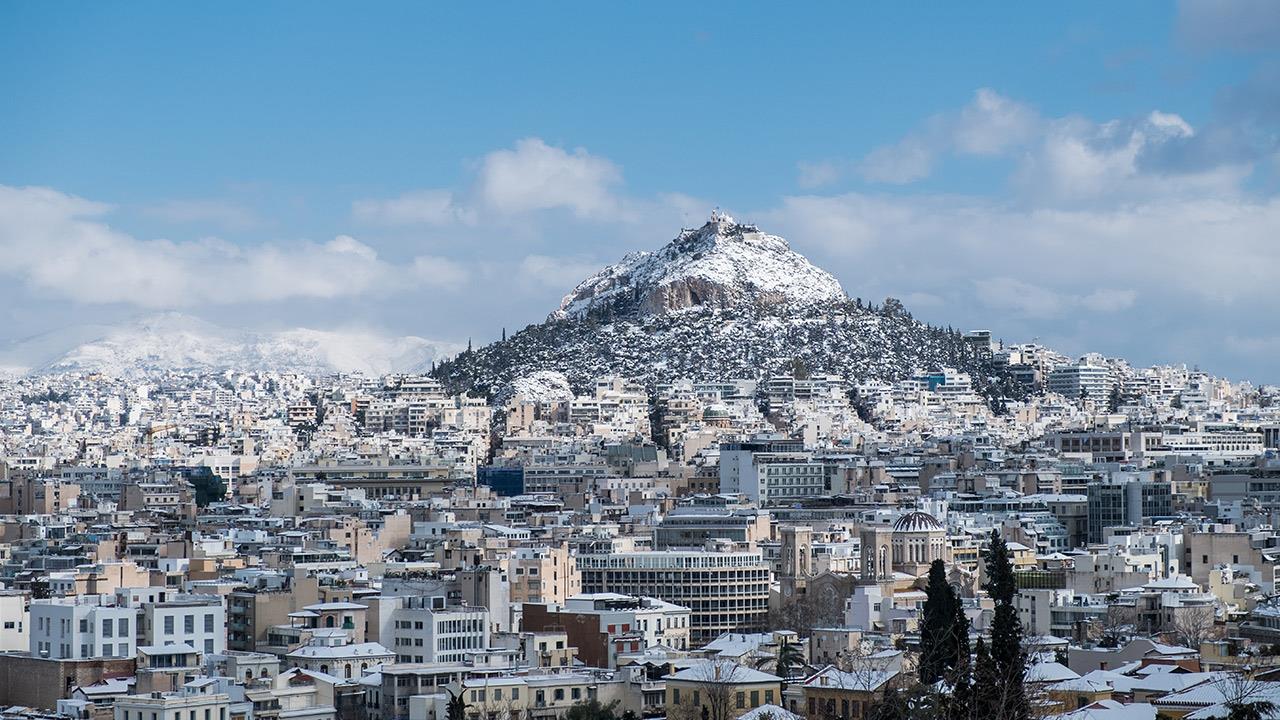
984 701
1007 656
959 705
937 637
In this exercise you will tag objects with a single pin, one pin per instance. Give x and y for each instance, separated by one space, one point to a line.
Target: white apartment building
657 621
14 620
196 620
185 705
1082 378
87 626
334 655
770 470
425 629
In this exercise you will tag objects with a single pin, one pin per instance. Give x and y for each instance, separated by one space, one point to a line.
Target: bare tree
1245 696
1115 627
713 697
803 612
1191 626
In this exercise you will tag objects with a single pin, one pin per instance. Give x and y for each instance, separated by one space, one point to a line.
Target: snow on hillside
172 341
722 264
542 386
720 302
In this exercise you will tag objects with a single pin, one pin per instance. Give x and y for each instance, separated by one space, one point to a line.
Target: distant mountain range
725 300
172 341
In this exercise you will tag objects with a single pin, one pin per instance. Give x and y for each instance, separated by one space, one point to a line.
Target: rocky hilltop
721 301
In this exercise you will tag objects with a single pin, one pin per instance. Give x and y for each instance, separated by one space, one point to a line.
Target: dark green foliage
789 658
705 343
457 708
986 681
591 710
937 634
209 487
959 705
1007 657
1259 710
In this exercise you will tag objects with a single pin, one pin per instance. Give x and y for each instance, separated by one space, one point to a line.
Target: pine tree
1007 656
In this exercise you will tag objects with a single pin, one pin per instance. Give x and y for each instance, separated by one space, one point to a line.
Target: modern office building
724 591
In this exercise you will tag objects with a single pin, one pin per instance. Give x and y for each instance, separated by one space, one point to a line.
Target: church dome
916 521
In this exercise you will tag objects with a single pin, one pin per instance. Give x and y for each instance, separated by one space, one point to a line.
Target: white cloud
1074 160
418 207
512 185
538 176
440 272
1163 280
58 245
991 124
556 272
898 164
1078 161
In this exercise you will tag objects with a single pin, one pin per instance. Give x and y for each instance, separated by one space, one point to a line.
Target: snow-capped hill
172 341
721 302
722 264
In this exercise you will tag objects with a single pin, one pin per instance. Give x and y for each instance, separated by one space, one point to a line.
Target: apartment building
724 591
87 626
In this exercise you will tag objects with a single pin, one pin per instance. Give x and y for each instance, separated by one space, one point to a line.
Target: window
675 695
106 628
208 622
123 626
168 624
741 699
189 624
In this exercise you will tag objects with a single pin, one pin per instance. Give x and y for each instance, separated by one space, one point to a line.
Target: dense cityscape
405 360
1057 536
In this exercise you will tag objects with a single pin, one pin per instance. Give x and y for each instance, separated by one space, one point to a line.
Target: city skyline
1102 182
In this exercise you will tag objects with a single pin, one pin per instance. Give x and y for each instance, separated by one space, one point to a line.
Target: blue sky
1098 175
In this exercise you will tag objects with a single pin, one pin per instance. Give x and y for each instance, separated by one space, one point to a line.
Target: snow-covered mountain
722 264
172 341
722 301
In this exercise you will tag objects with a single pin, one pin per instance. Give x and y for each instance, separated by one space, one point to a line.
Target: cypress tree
937 639
959 706
984 702
1007 656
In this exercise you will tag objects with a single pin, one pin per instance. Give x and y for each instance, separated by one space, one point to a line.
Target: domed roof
715 411
916 521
